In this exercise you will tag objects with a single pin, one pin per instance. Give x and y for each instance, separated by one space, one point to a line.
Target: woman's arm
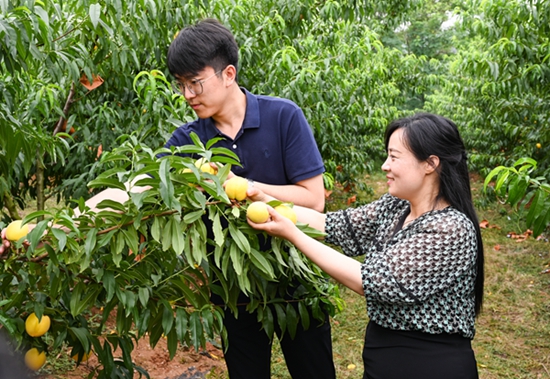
344 269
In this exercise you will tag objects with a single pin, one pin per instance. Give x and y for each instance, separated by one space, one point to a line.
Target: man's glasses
194 85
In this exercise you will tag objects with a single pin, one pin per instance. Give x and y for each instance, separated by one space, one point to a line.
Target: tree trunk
9 204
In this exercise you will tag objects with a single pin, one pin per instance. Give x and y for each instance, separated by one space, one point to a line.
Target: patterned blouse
420 277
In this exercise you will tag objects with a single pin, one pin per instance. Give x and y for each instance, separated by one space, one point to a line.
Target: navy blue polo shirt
275 144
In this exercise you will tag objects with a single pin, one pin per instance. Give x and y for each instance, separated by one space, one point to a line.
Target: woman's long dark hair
427 134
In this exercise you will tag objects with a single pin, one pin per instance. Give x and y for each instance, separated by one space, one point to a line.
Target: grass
512 333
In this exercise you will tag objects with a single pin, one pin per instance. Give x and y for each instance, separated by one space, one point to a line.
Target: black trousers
394 354
248 354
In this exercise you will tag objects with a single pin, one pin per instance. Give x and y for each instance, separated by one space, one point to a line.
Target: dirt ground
187 364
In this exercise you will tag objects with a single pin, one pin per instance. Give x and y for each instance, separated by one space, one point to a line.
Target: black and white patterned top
419 278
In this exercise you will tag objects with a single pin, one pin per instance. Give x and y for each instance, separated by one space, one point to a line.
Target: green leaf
181 324
516 189
155 229
267 321
131 239
105 182
281 317
61 237
90 241
526 162
276 247
34 215
177 236
75 298
494 172
292 320
503 176
262 263
167 317
191 217
304 314
109 284
36 234
138 198
95 13
167 234
111 204
239 238
218 231
82 335
208 321
195 326
236 259
166 187
172 342
143 295
198 245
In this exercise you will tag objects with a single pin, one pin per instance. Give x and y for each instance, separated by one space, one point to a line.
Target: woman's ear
432 164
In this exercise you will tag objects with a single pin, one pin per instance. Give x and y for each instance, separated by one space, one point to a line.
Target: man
278 154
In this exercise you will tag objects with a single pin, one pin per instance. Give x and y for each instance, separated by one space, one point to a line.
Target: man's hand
256 194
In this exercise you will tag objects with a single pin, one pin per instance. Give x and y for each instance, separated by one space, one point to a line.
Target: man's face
203 92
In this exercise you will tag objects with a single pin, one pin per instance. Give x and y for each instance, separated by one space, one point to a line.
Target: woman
422 275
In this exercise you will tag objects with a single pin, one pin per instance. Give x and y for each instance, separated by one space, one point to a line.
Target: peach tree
151 262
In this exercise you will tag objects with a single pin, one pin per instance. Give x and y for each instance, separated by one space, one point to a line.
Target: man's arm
308 193
114 194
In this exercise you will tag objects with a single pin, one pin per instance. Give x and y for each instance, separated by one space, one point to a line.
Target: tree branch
60 123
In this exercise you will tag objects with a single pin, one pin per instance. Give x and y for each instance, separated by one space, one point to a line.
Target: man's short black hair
207 43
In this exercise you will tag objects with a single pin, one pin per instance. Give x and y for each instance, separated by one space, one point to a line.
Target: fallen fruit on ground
35 359
286 211
257 212
236 188
15 230
36 328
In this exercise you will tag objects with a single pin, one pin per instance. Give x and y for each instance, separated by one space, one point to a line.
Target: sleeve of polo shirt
423 264
302 158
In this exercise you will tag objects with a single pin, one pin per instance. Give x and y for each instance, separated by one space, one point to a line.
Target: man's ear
432 164
230 74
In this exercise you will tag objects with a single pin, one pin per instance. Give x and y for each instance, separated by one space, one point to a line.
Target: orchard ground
513 331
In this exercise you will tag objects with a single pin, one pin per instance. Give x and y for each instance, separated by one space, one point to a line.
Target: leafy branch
522 191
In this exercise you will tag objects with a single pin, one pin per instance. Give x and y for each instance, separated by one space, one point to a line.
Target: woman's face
406 175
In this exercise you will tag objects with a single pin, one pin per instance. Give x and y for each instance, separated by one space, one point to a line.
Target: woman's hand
277 225
6 244
4 247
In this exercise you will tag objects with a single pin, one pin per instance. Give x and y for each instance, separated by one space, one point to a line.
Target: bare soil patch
187 364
